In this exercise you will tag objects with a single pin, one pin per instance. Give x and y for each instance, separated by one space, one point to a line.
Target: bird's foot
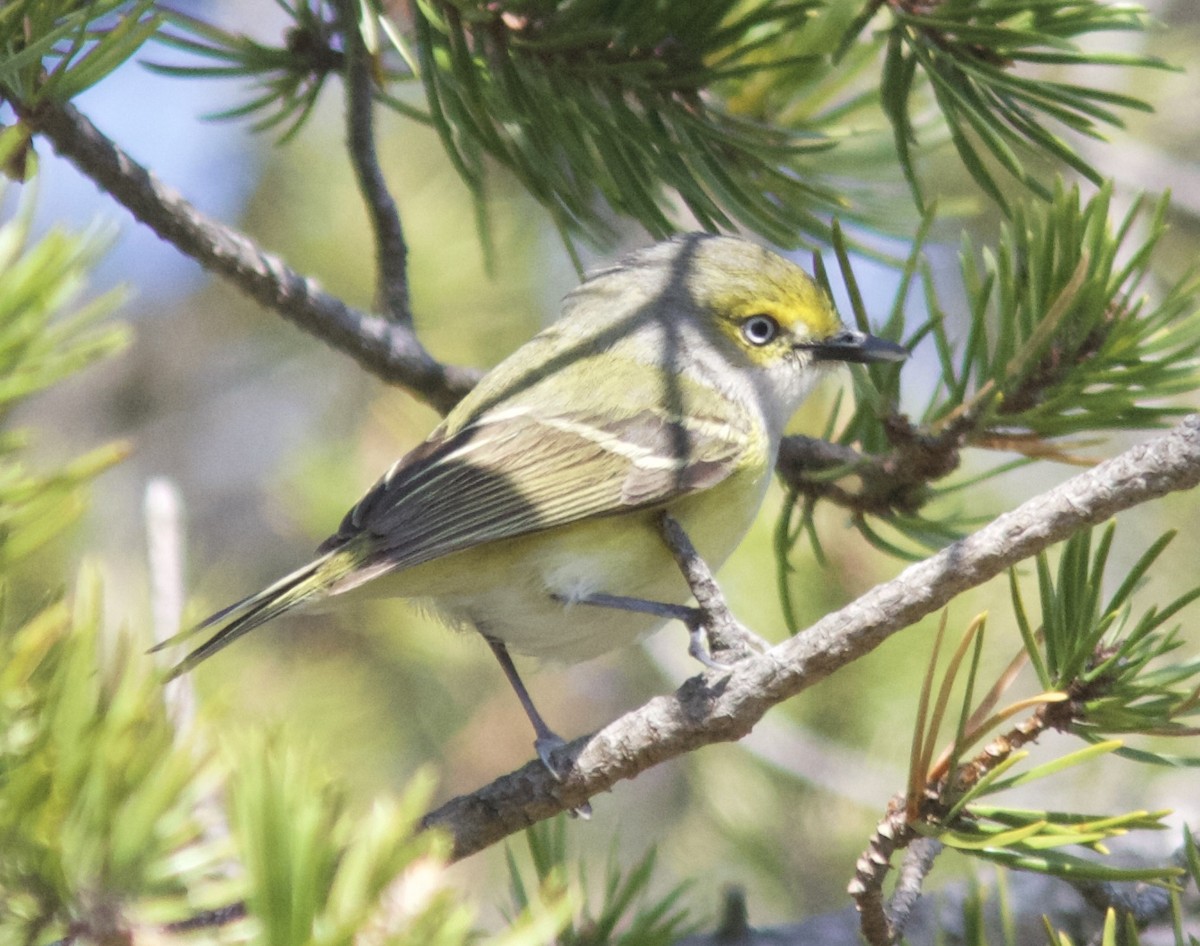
546 745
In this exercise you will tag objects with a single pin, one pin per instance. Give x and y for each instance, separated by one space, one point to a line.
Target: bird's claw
546 746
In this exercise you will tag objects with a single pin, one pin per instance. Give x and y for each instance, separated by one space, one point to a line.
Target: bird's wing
513 473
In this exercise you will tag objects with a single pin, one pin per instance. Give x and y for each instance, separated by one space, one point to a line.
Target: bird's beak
857 347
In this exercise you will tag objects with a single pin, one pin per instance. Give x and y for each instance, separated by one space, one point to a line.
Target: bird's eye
760 329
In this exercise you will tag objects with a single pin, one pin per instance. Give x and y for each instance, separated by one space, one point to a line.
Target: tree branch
389 350
724 706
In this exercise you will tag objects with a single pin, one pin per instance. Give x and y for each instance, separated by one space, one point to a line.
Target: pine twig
389 350
1141 902
883 925
940 785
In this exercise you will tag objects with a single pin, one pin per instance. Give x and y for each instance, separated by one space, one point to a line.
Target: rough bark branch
725 706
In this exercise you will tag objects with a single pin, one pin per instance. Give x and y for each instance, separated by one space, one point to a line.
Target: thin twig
1142 902
391 253
387 349
700 714
882 924
918 862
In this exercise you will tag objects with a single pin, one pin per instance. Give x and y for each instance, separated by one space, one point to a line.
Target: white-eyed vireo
665 385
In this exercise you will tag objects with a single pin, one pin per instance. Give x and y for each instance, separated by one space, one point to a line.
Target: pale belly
529 591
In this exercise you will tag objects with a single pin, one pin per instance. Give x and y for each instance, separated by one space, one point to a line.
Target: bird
531 514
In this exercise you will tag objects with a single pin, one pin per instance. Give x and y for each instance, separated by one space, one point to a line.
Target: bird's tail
310 583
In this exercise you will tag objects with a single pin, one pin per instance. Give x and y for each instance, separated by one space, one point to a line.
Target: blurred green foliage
46 335
380 691
95 796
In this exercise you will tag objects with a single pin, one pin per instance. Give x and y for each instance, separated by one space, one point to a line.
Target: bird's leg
711 627
671 612
693 619
723 631
547 740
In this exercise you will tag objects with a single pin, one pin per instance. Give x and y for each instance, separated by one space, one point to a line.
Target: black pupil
760 329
